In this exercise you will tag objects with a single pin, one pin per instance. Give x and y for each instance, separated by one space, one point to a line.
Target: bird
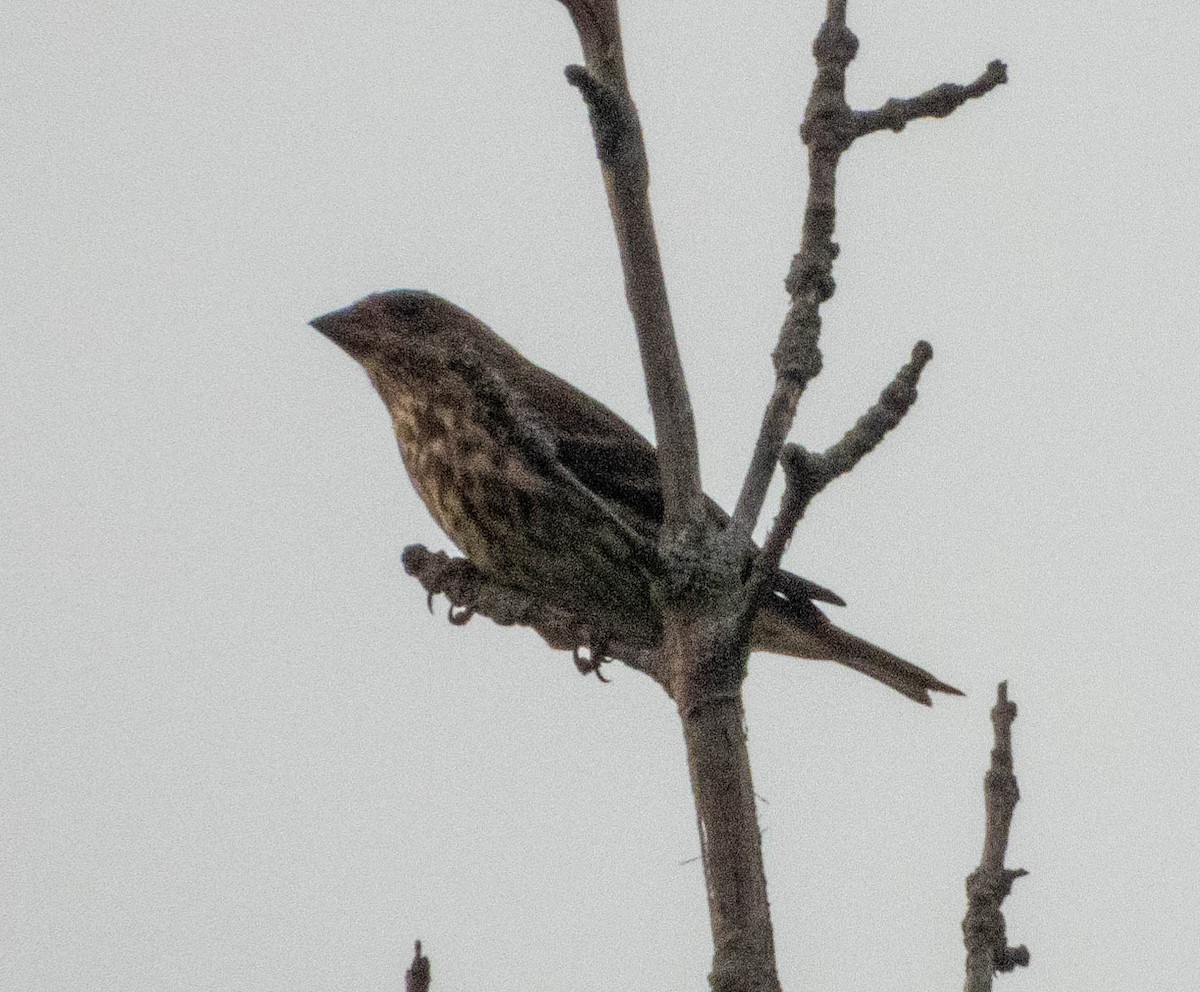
548 490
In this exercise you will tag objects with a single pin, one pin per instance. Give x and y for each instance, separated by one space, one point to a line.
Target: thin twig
894 402
622 153
984 930
797 357
806 473
937 102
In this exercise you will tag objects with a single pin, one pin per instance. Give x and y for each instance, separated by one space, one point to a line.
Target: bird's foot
456 578
595 658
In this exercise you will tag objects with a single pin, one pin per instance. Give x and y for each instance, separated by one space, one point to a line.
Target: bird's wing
563 432
609 457
600 449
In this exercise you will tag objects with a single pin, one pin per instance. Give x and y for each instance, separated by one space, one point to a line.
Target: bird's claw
591 664
456 578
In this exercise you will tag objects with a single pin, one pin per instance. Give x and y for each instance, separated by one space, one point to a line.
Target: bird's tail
778 629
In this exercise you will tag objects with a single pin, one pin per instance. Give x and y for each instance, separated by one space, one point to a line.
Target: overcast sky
236 753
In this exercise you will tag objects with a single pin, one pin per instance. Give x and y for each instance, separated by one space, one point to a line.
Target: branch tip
417 977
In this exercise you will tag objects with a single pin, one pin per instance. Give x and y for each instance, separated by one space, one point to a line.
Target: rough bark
984 929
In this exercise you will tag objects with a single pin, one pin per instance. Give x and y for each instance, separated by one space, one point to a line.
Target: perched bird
548 490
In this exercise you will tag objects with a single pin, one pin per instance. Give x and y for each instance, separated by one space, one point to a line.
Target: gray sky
235 751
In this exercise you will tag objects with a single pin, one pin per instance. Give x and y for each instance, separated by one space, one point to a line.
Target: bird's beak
329 323
344 328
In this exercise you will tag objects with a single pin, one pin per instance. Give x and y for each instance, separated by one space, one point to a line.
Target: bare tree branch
704 656
705 628
471 593
941 101
797 357
705 603
984 931
598 25
829 128
622 153
806 473
894 402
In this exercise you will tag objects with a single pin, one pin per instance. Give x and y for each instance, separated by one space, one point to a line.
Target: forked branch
806 473
829 128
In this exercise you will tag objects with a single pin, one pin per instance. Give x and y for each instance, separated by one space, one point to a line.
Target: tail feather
799 632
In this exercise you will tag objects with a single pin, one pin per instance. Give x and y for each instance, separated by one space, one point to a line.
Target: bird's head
396 325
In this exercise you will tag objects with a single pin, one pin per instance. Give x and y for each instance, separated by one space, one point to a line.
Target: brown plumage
547 489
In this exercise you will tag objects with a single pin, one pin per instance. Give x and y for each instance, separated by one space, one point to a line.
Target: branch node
835 45
610 122
797 357
810 277
805 470
1013 957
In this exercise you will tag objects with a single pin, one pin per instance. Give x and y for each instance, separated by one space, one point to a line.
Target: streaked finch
546 489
